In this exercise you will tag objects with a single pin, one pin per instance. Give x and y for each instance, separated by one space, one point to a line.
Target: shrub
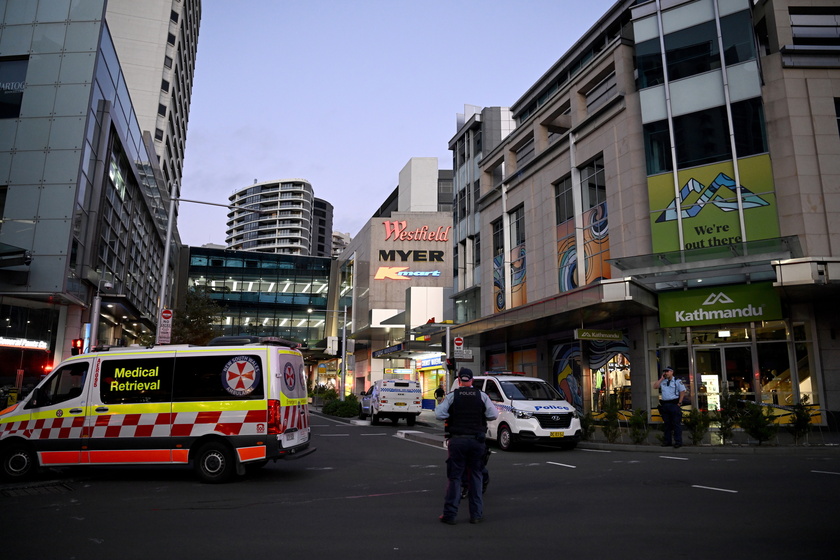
697 422
639 426
800 420
728 415
347 408
758 422
587 426
609 423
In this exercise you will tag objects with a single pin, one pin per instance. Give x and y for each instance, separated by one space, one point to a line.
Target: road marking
713 488
595 450
379 434
673 458
825 472
333 435
561 465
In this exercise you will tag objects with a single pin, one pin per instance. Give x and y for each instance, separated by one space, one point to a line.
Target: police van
238 402
530 411
392 399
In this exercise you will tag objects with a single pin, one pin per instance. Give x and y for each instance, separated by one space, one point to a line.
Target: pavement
429 430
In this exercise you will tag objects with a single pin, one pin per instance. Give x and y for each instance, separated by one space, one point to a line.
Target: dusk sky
343 93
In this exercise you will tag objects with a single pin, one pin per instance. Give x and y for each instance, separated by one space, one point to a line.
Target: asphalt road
371 495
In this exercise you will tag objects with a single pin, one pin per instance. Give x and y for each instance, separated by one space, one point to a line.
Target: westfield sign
398 230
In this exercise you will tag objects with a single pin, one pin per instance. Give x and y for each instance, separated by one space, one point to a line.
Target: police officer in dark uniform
466 410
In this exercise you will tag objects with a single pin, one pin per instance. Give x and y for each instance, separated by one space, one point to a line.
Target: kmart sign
721 304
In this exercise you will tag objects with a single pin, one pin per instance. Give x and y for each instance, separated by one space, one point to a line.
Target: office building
82 197
667 199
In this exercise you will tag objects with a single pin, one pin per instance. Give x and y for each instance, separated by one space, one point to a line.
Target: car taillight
275 425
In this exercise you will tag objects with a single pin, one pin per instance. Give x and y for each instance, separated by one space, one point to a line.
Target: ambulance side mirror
39 398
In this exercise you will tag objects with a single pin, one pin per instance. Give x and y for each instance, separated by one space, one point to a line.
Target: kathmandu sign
720 304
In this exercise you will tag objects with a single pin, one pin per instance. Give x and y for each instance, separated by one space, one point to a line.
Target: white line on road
674 458
825 472
713 488
595 450
561 465
379 434
333 435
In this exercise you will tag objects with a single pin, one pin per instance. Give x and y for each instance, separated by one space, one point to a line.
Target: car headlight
523 414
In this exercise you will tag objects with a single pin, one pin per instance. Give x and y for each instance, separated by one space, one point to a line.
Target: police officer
467 410
671 393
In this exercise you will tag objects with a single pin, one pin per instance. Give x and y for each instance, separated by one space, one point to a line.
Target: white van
221 408
392 399
530 411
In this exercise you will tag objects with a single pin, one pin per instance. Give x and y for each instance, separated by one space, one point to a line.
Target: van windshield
530 391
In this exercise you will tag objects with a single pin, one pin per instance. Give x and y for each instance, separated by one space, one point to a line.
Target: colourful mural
518 295
566 256
567 373
708 205
596 243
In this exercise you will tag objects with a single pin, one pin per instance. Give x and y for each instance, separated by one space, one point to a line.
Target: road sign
165 327
463 354
459 342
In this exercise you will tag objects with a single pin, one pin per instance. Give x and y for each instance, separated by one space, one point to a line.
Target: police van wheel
505 439
362 414
18 462
214 463
374 418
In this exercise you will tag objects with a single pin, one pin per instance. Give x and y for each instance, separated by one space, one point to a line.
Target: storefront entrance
723 367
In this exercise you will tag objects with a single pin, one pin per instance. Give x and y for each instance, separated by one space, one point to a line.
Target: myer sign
720 304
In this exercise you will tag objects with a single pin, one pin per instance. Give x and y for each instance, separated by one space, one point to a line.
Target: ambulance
234 404
392 399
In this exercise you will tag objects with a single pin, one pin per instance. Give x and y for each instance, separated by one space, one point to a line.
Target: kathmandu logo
748 312
721 193
717 298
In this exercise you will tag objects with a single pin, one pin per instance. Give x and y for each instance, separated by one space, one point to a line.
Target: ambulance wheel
214 463
505 439
19 462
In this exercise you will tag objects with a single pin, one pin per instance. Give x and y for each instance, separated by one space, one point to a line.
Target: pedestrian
439 393
671 392
467 410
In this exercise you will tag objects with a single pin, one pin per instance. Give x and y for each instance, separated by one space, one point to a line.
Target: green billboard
720 304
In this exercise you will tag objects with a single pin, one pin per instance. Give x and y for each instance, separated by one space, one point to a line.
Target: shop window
12 85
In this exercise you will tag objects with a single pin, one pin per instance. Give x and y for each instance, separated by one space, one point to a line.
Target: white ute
392 399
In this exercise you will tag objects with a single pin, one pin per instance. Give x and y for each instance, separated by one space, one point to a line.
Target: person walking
467 411
671 393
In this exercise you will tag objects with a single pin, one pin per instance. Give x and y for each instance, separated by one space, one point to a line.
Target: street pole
95 309
164 283
341 382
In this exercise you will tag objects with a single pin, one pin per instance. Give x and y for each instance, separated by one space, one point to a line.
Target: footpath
429 430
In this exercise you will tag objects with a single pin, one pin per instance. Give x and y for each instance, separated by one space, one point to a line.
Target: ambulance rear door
289 387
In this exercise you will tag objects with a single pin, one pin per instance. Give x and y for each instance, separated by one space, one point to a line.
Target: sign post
165 327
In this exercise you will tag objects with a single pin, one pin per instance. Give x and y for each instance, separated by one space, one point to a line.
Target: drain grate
36 490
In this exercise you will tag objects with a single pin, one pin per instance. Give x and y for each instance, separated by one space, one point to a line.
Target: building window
524 153
173 16
158 134
657 148
815 26
601 93
167 62
12 84
593 184
498 238
170 38
161 109
692 51
517 227
164 85
649 64
563 201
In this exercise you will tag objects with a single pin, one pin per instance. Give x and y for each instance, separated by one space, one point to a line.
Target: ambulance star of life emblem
241 376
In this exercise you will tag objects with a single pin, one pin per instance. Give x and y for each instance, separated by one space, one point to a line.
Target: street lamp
343 370
164 284
95 310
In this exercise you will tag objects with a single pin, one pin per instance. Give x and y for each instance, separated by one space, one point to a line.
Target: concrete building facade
668 197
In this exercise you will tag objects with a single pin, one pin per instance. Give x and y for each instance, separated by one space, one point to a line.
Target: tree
195 324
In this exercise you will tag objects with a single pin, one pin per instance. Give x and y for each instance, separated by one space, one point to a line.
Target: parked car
392 399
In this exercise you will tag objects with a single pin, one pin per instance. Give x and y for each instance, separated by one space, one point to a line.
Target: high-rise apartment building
82 198
667 199
282 217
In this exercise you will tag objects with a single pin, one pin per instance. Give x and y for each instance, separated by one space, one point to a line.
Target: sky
343 93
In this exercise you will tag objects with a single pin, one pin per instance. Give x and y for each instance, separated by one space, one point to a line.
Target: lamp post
343 370
164 284
95 310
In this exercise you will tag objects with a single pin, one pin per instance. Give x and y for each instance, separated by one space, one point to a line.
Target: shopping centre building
668 197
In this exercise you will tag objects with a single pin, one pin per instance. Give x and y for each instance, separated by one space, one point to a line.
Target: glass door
722 368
